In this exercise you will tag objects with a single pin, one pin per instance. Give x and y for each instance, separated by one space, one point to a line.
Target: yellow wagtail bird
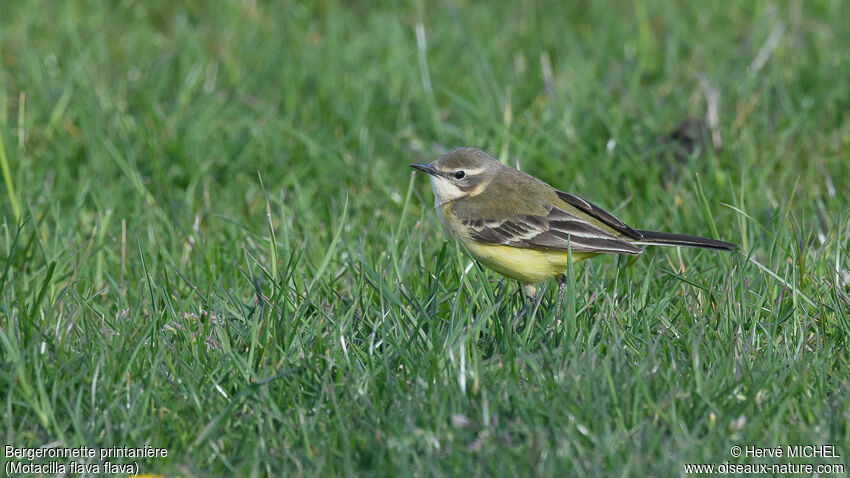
523 228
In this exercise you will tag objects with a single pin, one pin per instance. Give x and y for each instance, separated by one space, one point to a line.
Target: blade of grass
332 247
10 186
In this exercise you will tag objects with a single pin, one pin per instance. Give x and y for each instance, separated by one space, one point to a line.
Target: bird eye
460 175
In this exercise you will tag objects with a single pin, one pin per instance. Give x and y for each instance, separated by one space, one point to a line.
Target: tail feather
657 238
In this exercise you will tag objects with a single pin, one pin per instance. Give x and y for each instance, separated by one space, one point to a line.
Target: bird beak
427 168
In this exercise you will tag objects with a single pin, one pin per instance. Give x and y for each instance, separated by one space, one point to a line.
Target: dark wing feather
598 213
558 230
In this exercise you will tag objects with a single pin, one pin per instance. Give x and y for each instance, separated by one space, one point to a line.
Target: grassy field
211 241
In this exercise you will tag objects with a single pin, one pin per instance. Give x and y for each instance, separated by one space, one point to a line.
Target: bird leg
530 297
562 289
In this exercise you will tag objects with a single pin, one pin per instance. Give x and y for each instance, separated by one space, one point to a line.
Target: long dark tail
657 238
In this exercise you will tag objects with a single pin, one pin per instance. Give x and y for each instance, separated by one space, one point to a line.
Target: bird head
459 173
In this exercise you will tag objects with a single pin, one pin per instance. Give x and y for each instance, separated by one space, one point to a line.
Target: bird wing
599 214
557 230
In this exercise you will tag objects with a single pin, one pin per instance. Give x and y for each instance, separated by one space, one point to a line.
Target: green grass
221 250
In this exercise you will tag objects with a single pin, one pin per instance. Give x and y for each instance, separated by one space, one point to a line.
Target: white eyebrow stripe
470 171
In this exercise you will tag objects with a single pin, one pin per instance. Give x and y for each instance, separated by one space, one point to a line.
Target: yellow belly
526 265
